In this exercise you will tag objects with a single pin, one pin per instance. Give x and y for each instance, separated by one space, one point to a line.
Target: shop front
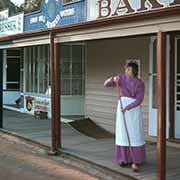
37 83
26 64
115 32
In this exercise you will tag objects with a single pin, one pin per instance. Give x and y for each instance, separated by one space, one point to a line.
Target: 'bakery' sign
107 8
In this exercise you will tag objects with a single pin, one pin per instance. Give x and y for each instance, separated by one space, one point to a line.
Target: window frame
71 76
33 79
67 3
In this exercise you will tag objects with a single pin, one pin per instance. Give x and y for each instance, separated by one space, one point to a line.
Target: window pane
65 86
77 69
37 69
46 67
26 56
178 56
41 76
72 69
65 53
13 86
69 1
13 52
13 69
178 89
32 73
77 87
65 69
154 92
178 97
43 69
154 56
77 54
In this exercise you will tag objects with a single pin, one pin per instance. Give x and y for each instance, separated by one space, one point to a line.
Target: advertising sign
12 25
54 13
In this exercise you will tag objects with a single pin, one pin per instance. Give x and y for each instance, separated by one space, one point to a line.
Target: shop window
72 69
36 69
154 97
69 1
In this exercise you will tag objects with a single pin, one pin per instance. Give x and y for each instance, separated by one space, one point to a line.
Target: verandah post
55 95
161 88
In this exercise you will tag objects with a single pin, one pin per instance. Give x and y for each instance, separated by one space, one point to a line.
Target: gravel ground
22 161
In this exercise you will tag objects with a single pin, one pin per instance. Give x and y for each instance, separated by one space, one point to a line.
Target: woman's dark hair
134 66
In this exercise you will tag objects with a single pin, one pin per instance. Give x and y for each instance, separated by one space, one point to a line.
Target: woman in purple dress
132 94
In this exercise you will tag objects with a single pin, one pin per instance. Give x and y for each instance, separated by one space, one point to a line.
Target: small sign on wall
12 25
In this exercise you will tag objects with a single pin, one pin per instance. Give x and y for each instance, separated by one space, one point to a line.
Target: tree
31 5
7 4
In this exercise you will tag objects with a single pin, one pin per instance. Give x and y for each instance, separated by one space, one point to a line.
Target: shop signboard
12 25
37 104
56 13
97 9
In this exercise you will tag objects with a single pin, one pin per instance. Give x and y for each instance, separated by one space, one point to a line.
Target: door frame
152 125
175 89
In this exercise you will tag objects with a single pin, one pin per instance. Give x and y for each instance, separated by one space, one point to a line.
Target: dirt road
20 161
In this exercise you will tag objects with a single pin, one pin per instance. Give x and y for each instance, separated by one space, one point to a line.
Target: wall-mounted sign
4 15
12 25
29 102
42 104
107 8
36 104
54 13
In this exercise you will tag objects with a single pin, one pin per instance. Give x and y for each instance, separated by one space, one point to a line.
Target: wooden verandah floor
98 151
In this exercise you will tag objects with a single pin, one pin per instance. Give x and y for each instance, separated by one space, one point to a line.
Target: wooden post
161 87
55 95
1 88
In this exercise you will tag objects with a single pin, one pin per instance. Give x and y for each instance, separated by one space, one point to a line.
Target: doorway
11 82
152 128
177 88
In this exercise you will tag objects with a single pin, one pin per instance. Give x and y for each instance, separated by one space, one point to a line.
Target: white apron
134 125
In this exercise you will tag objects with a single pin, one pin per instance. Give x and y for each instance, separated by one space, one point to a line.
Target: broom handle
124 119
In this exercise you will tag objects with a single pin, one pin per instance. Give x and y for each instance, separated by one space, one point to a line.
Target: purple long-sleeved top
129 87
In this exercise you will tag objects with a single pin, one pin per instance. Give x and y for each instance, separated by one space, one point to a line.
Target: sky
17 2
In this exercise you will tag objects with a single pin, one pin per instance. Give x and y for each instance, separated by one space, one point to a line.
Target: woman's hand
116 79
123 110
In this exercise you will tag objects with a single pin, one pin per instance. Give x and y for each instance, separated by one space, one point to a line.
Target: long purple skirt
123 154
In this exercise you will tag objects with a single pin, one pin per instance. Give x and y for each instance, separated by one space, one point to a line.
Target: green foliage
31 5
7 4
